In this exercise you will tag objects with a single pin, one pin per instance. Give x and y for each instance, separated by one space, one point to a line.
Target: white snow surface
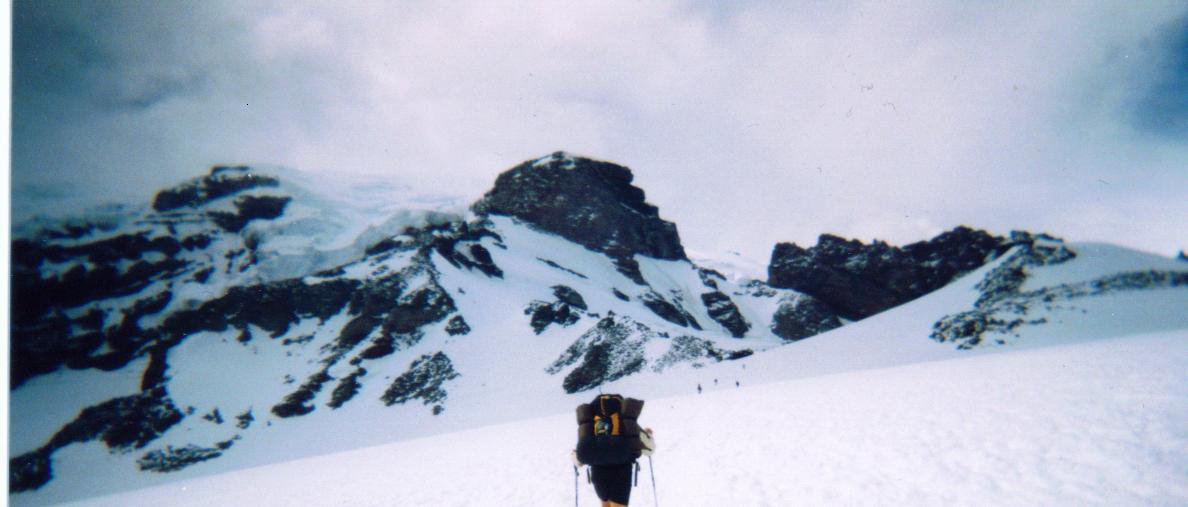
1091 423
733 265
331 222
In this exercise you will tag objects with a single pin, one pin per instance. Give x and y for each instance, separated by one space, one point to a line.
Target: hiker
610 441
698 388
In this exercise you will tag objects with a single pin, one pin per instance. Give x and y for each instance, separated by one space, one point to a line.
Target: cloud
747 123
1162 109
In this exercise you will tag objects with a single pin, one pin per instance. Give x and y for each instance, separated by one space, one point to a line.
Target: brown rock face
589 202
858 280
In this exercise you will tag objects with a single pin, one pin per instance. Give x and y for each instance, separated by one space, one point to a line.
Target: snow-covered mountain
253 316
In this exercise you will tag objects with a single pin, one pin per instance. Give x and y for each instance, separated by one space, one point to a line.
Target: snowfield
1092 423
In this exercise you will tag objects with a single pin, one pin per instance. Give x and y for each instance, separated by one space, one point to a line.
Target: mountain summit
589 202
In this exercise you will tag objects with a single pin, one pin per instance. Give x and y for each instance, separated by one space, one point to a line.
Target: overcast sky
747 124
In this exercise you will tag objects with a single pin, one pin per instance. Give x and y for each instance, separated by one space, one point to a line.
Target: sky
747 123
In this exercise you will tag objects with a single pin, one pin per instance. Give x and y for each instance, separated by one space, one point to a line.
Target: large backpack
608 433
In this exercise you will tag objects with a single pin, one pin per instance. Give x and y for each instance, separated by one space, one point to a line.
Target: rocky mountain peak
857 280
220 182
590 202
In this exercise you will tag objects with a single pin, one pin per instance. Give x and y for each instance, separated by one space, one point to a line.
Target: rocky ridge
617 347
1003 306
855 280
589 202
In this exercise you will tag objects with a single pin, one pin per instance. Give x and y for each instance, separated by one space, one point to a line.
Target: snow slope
501 362
873 412
1092 423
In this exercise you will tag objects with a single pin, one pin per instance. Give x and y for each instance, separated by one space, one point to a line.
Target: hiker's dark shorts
612 483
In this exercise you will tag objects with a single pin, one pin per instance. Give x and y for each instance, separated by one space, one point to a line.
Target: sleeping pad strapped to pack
608 433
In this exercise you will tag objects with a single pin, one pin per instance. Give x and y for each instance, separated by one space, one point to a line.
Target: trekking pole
575 486
652 472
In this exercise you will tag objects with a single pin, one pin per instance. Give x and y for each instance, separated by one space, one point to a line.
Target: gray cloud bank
747 124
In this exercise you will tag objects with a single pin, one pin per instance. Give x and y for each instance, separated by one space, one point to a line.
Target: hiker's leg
612 483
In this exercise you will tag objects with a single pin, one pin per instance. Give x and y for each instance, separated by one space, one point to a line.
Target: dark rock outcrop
30 471
122 424
668 311
298 402
423 381
214 416
457 326
629 267
43 338
347 388
172 459
801 316
569 296
687 348
382 304
611 350
710 277
615 348
131 246
757 288
1003 307
381 346
589 202
543 314
1008 277
141 262
858 280
250 207
554 265
566 310
424 306
244 421
222 181
723 310
444 239
272 307
739 354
